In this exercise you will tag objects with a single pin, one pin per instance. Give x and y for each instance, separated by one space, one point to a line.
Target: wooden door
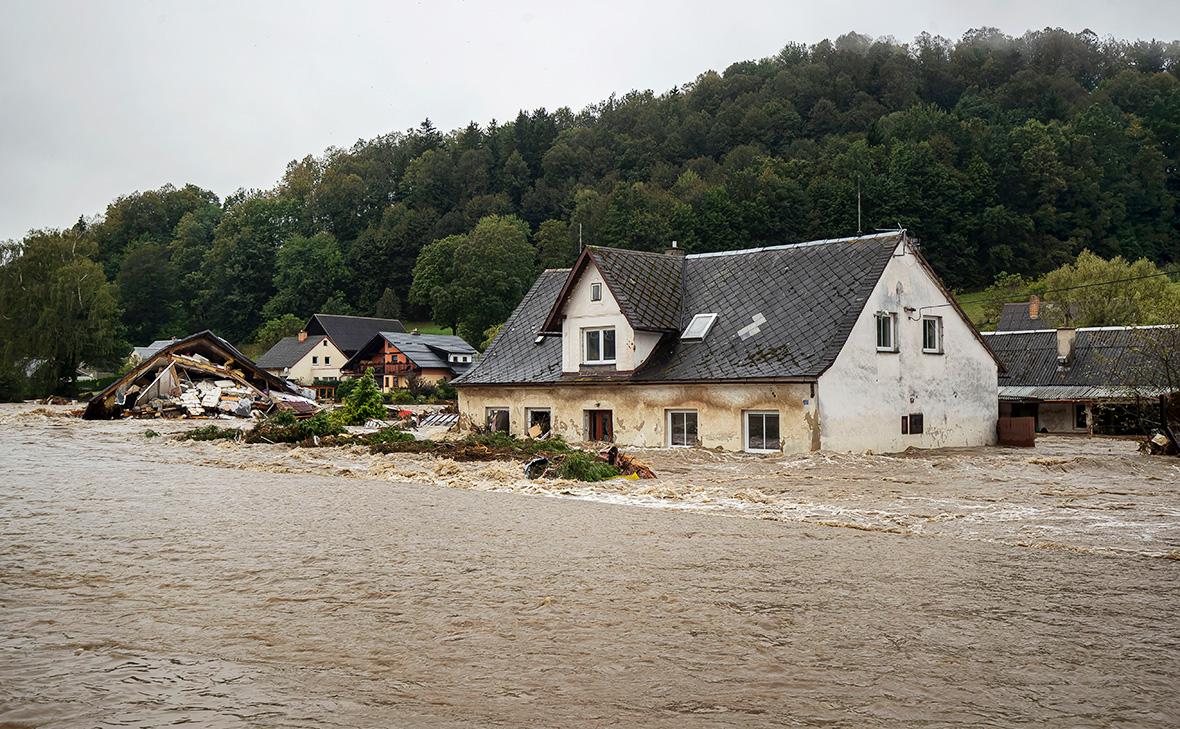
601 425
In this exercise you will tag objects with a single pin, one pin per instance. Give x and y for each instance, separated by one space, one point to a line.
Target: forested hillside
1000 154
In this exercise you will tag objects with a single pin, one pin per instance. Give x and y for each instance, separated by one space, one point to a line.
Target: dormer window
598 346
698 327
596 292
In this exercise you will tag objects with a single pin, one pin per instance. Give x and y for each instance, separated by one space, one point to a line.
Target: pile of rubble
199 376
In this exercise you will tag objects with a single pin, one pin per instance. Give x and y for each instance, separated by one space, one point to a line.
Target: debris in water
199 376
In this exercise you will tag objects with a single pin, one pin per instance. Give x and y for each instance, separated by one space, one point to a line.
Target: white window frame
891 317
315 360
596 291
746 431
709 320
937 321
601 340
669 414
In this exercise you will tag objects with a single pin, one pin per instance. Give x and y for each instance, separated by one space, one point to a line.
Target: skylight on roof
698 327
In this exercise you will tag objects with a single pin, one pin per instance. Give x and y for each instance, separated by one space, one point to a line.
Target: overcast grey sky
99 99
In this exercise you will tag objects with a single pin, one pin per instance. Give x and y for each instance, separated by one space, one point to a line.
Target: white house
848 344
305 359
315 356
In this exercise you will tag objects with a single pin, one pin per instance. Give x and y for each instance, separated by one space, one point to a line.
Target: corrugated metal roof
1075 392
1107 362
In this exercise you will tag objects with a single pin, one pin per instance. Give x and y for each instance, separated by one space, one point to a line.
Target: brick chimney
1034 307
303 335
674 250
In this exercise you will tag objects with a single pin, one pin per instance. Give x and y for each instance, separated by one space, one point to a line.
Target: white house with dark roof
306 359
849 344
315 356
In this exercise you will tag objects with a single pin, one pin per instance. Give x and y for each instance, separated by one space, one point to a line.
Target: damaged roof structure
199 375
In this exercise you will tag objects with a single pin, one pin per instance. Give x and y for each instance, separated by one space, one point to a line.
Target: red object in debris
404 413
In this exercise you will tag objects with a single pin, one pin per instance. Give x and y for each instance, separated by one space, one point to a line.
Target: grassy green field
972 303
426 327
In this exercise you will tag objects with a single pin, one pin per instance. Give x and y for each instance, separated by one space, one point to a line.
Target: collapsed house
201 375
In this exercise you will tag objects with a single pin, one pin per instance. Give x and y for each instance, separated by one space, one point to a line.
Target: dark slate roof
287 352
1103 357
646 285
809 295
1015 318
350 333
431 350
515 355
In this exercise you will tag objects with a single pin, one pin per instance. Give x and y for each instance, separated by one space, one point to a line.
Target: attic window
698 327
596 292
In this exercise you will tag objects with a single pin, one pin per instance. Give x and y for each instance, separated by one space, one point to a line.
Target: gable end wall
864 394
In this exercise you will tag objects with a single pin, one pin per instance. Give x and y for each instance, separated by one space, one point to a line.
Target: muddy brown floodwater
146 582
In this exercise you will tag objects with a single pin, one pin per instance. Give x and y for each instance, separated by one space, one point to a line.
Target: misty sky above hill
101 99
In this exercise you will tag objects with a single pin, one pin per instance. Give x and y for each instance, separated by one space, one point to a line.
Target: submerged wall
640 411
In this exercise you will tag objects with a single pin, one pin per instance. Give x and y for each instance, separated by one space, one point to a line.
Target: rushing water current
146 582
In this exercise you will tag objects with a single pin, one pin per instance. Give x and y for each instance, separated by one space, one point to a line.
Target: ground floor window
325 392
497 420
912 424
762 431
540 421
682 428
600 426
1079 416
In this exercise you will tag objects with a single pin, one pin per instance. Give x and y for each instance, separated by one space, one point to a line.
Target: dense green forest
1002 155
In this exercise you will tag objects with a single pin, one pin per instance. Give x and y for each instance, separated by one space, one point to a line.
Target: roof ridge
628 250
357 316
804 244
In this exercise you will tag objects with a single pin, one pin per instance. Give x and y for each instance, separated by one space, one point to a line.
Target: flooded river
146 582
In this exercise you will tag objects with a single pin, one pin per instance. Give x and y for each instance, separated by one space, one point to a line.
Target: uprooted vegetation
551 457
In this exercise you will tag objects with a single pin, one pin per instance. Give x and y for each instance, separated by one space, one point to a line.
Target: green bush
444 390
344 387
389 435
283 427
525 446
581 466
402 397
210 432
363 402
